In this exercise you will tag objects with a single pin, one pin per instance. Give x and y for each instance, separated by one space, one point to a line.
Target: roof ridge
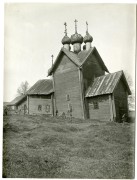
109 74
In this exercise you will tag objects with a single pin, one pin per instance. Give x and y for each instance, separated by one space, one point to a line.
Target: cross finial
65 28
52 59
75 25
87 27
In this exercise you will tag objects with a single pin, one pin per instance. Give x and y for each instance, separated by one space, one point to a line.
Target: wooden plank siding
91 69
103 112
21 107
66 79
121 101
35 101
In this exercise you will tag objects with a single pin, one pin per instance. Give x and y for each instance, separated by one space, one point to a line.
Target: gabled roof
17 100
106 84
41 87
78 59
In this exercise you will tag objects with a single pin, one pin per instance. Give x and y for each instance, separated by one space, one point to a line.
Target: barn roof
41 87
78 59
17 100
106 84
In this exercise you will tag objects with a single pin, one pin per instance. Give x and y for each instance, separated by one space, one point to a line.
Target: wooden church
80 85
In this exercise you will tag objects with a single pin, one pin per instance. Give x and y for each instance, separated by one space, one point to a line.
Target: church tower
73 72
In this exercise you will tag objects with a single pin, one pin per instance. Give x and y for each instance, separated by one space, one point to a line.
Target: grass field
45 147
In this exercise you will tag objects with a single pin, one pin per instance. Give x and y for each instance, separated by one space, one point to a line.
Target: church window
95 105
39 107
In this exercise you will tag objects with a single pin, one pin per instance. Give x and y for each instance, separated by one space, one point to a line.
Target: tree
23 88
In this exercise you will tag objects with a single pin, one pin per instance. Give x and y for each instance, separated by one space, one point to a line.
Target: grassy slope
38 146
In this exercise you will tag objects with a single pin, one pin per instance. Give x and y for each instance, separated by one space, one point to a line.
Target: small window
39 107
95 105
47 108
67 97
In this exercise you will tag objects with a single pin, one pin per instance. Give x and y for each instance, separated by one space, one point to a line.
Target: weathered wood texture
121 100
91 69
22 107
103 111
66 78
36 101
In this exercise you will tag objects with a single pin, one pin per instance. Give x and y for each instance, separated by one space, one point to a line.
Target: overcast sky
33 32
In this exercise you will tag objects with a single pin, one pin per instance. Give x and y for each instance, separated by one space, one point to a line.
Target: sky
33 32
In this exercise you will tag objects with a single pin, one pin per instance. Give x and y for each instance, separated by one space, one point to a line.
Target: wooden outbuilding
18 105
39 97
107 97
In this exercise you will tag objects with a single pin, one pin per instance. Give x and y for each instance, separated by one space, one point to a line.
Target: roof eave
102 60
98 95
41 93
51 70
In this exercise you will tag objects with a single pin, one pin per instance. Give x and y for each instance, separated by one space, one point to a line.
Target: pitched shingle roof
16 100
78 59
106 84
42 87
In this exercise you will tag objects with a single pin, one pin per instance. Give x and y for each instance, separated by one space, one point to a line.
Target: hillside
44 147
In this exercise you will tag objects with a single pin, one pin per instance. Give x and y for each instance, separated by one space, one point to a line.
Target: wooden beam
82 91
127 105
52 103
111 108
28 103
54 97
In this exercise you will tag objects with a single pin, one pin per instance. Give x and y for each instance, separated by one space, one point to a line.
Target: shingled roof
78 59
106 84
17 100
41 87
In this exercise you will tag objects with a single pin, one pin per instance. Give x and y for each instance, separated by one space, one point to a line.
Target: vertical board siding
121 101
91 69
21 108
103 112
35 102
66 79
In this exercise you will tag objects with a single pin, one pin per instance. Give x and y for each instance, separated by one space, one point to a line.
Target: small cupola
88 39
76 40
66 40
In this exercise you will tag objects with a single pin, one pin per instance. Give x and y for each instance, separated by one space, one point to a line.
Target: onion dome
66 40
76 38
88 38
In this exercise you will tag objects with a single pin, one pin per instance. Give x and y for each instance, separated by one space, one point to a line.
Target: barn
80 84
18 105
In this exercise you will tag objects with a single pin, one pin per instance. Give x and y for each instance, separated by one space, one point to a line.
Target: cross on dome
65 24
87 27
76 25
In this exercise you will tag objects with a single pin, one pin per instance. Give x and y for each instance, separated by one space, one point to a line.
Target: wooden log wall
36 101
103 111
66 78
121 101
